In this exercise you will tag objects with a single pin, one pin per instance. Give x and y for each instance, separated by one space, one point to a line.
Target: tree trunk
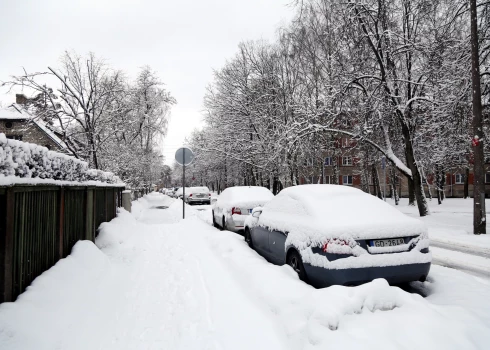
479 214
466 189
393 186
277 185
336 170
416 174
377 188
411 192
439 184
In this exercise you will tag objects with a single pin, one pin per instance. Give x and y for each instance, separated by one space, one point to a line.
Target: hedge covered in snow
27 160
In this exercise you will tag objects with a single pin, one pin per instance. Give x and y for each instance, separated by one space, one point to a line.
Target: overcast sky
183 40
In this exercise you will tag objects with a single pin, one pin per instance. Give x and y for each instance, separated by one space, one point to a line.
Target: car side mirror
256 213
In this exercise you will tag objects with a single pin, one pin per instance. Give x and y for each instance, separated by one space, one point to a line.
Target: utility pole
479 214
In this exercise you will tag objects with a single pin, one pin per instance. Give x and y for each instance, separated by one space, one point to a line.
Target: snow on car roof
199 189
316 212
244 197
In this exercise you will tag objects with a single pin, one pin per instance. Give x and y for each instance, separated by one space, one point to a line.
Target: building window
346 142
459 178
9 125
15 137
487 178
328 161
347 161
347 180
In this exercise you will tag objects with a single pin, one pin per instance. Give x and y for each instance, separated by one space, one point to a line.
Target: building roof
15 113
12 113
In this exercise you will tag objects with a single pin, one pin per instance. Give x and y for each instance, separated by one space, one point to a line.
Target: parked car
180 192
236 203
198 195
332 234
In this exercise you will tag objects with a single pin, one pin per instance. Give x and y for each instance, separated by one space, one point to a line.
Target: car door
277 240
260 239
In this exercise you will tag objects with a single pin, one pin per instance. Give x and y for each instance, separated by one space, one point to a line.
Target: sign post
184 156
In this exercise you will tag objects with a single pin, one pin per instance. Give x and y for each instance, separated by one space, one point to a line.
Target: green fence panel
41 224
74 218
36 246
100 207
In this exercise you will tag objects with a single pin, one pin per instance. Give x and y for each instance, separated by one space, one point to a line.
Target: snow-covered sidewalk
453 243
158 282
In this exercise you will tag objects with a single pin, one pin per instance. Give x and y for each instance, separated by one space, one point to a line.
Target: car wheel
214 221
248 238
223 224
294 260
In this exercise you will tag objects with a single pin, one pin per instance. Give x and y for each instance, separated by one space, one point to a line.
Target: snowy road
158 282
453 244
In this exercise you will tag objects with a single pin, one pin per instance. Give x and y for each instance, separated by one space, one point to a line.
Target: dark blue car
332 234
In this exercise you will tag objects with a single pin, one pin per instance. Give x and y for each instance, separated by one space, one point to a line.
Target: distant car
336 235
180 192
235 204
198 195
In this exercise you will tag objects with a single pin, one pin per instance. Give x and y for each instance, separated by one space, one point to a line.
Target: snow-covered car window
199 190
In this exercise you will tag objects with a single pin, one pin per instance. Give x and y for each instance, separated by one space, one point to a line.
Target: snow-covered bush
28 160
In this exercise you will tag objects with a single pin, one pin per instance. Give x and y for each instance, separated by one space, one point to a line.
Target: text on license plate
387 242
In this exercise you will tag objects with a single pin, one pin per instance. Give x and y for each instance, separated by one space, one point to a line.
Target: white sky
183 40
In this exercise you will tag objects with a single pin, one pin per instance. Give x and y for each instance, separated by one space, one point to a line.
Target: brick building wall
350 171
27 131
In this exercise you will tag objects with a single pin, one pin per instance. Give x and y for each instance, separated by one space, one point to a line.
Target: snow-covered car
235 204
200 195
332 234
180 192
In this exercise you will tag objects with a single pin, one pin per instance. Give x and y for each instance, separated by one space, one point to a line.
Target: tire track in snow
478 251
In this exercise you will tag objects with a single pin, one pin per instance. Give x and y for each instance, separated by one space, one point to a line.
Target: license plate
387 242
200 195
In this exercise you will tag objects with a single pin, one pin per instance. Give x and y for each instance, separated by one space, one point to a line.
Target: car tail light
236 211
190 195
209 194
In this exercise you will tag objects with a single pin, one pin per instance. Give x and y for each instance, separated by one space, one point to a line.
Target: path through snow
158 282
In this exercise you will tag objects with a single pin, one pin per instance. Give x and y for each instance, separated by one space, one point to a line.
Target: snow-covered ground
453 243
155 281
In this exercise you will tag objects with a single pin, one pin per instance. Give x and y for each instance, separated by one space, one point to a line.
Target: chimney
20 99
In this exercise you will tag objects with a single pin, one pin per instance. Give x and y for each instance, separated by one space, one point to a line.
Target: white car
180 192
235 204
200 195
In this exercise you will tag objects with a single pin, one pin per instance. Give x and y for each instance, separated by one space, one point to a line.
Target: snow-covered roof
50 133
13 113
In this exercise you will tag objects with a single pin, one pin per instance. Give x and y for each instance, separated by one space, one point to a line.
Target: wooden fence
40 225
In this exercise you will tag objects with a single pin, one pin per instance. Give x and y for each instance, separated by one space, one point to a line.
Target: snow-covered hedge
28 160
